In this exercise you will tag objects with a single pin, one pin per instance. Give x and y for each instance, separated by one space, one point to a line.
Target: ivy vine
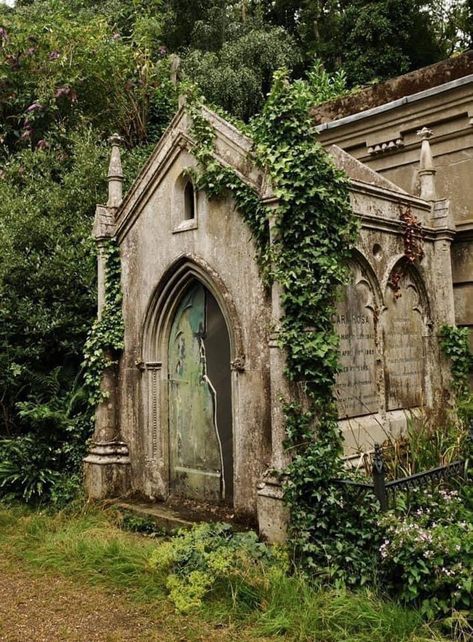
456 346
315 231
215 179
106 335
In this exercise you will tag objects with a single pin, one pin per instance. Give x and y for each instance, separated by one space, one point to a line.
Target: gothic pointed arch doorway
200 399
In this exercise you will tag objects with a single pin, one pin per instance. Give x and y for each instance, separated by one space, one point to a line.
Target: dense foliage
427 554
47 273
212 558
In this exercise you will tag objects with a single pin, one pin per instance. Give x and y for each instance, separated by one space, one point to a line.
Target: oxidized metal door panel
198 464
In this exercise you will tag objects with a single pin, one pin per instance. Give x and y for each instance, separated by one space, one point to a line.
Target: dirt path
51 608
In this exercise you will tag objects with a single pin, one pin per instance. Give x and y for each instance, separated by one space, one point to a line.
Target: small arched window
186 204
189 201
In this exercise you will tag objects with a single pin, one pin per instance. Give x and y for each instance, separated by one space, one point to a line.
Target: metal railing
385 491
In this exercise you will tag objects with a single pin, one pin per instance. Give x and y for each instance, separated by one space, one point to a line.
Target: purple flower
3 34
54 55
27 133
66 92
42 144
162 50
116 36
34 107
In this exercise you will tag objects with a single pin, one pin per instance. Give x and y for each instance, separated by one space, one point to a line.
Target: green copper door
200 417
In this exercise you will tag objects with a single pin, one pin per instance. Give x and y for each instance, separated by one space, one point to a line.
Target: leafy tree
47 199
452 24
238 76
375 39
384 38
68 79
60 68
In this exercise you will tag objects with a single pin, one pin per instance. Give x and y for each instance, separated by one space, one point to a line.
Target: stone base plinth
273 514
107 470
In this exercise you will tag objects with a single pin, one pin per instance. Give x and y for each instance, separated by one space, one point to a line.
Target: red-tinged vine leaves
413 238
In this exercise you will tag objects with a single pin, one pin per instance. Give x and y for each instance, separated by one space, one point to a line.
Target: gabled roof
359 172
232 149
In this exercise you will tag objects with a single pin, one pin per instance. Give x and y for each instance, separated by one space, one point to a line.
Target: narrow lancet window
189 201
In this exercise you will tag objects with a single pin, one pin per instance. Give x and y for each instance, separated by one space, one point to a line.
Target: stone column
442 222
107 465
273 515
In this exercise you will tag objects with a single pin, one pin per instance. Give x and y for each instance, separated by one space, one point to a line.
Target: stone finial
115 173
426 167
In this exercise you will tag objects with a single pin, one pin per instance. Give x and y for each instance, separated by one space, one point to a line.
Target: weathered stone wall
158 249
389 316
384 137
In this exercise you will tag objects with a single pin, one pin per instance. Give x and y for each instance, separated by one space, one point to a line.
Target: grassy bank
89 547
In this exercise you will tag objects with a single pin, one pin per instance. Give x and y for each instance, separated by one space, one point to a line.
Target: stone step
165 518
179 513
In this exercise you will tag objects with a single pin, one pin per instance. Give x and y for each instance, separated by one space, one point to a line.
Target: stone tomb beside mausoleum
194 403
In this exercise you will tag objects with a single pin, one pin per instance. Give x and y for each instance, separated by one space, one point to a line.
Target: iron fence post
379 480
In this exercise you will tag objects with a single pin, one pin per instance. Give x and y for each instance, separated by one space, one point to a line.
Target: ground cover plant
258 598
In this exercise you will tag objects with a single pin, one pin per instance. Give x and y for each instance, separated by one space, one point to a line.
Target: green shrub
44 464
334 530
210 557
427 554
23 473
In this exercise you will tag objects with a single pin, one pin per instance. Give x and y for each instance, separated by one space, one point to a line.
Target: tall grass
429 442
300 613
89 547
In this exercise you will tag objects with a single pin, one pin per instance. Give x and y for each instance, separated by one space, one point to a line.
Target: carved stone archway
164 304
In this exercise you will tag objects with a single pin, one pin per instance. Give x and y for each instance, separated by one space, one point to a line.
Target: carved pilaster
154 457
107 465
272 512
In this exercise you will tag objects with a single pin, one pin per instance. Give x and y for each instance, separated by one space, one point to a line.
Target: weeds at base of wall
86 546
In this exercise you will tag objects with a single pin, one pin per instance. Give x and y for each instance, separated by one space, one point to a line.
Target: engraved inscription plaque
355 389
404 345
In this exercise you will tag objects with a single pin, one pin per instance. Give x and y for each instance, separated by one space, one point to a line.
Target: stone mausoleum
194 405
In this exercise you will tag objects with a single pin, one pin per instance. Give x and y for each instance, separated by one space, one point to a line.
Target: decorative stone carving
386 146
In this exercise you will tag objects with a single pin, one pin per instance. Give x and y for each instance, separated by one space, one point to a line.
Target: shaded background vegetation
71 73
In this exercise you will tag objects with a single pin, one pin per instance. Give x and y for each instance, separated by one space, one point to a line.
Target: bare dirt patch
50 608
